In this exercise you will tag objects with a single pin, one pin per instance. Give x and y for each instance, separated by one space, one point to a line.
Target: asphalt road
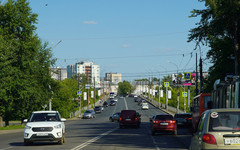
101 134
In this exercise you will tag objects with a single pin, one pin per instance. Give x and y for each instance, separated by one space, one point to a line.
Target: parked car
102 108
115 117
141 101
129 118
183 118
163 123
105 104
44 126
112 103
145 106
217 129
89 114
136 99
97 109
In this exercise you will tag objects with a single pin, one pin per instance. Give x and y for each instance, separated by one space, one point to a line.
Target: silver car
217 129
89 114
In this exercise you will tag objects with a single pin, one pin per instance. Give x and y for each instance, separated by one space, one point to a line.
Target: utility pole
79 95
94 93
196 81
159 90
201 77
149 88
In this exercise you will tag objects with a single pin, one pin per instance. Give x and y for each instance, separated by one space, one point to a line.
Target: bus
226 93
200 103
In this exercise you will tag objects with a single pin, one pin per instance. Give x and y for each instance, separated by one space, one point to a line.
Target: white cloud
163 50
125 45
90 22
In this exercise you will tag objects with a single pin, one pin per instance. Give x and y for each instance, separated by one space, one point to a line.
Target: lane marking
154 141
6 148
125 104
92 140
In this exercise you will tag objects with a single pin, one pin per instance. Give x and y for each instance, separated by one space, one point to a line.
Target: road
101 134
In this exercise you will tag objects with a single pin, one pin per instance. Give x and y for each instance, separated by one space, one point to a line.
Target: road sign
78 92
166 84
187 75
184 94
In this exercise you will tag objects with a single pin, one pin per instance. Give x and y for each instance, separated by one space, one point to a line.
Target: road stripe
154 141
6 148
92 140
125 104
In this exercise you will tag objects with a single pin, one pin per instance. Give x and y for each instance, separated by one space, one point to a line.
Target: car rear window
164 117
128 114
183 116
224 121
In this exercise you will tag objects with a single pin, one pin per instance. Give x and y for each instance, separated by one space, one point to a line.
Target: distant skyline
137 38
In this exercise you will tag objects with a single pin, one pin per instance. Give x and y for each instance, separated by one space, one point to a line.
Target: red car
129 118
163 123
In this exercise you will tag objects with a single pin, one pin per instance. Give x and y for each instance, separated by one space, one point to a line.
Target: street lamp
177 86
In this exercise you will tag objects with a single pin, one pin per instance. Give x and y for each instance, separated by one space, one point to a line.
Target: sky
136 38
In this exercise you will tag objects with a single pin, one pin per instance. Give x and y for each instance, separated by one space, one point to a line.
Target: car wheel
61 141
120 126
175 132
26 142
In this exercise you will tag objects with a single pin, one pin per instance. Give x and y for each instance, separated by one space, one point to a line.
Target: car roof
45 112
224 110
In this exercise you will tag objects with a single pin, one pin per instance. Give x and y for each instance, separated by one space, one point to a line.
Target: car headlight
58 126
28 127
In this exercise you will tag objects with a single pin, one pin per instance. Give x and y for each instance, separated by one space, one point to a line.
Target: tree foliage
125 88
24 63
219 29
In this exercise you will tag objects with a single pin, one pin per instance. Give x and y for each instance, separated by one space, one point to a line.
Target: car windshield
87 111
37 117
224 121
144 104
164 117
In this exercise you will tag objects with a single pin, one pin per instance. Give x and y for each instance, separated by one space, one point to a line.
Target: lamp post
177 87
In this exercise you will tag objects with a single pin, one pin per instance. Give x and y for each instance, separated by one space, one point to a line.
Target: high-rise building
59 73
114 78
89 69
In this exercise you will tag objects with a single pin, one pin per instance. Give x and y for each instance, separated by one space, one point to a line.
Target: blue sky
137 38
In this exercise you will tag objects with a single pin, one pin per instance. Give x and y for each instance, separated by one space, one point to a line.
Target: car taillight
209 138
172 121
136 119
120 119
155 121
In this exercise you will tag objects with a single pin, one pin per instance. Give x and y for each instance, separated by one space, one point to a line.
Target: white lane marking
6 148
92 140
126 104
154 141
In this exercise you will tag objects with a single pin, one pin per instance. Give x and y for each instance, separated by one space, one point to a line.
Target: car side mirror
63 120
25 120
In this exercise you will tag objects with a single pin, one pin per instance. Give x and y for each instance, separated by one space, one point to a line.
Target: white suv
44 126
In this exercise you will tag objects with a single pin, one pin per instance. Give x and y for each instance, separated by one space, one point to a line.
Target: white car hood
43 124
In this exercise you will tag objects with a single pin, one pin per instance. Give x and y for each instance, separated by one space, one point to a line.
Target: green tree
125 88
25 62
219 29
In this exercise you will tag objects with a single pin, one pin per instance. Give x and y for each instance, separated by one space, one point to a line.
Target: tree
125 88
220 23
25 62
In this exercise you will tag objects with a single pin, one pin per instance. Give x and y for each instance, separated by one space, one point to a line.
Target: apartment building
59 73
113 78
89 69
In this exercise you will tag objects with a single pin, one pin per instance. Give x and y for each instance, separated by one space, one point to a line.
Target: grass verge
11 127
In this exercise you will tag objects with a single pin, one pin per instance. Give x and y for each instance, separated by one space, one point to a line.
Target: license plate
128 119
165 124
229 141
42 134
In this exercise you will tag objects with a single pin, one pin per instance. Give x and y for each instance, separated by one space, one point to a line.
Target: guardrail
170 109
